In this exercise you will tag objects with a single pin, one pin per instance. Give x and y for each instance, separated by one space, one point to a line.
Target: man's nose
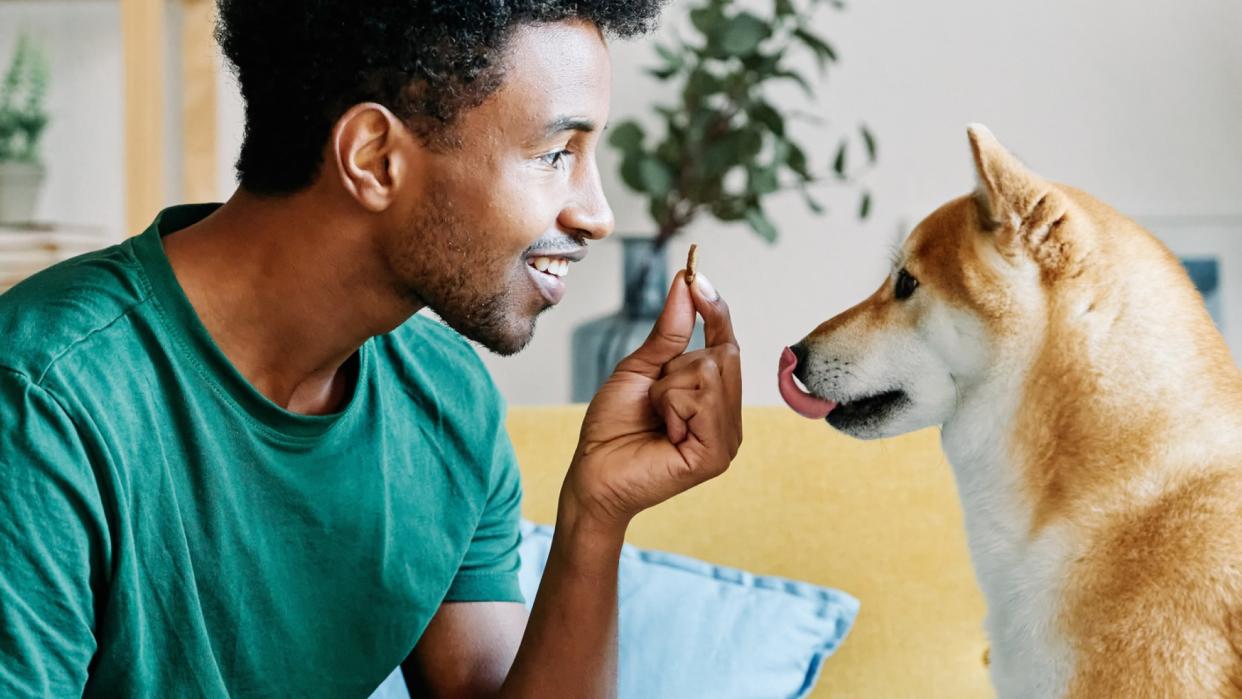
590 215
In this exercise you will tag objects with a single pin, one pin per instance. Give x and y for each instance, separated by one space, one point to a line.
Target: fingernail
705 287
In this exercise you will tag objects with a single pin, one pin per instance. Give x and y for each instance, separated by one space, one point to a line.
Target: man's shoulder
49 314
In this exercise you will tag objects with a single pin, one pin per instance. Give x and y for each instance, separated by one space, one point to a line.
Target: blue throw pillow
692 629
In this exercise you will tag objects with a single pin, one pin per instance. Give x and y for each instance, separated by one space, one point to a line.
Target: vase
19 190
599 344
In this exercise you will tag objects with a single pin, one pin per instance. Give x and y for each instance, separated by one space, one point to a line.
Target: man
232 462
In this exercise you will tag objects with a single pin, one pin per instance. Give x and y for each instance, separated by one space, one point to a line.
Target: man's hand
665 421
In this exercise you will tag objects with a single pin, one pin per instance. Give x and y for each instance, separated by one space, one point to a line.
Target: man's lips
552 286
803 403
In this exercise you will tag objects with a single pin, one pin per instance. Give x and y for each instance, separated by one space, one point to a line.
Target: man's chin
505 342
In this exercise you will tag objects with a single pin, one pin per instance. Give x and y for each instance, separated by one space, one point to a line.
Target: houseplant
22 120
723 150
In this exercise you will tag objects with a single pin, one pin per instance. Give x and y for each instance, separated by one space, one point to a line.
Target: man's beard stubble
440 263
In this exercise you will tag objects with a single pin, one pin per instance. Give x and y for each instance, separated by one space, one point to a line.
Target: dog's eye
906 284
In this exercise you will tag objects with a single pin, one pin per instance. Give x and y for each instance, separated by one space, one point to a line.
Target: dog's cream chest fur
1022 579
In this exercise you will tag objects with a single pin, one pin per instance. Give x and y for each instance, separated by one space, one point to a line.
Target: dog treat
692 261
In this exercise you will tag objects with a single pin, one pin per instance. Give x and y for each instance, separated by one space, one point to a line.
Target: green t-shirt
166 531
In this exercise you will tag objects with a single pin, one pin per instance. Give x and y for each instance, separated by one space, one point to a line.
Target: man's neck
289 288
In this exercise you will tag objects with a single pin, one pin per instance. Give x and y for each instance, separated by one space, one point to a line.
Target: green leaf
631 174
784 8
763 65
673 63
719 158
671 57
869 141
658 208
761 181
662 73
743 34
765 114
700 121
811 203
707 20
734 149
864 207
797 161
761 225
703 84
670 150
796 77
669 113
656 176
838 163
626 136
729 209
780 152
824 53
750 142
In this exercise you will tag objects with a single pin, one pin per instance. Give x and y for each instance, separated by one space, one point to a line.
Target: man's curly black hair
301 64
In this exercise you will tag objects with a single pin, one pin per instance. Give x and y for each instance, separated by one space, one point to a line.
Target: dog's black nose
799 352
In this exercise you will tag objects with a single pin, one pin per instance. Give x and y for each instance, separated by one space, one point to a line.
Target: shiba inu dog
1093 417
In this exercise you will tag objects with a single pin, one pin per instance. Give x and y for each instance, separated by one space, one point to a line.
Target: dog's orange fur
1129 434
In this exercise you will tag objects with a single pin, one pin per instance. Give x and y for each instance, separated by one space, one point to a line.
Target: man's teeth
559 268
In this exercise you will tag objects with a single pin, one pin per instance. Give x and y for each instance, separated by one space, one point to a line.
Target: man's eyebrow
568 123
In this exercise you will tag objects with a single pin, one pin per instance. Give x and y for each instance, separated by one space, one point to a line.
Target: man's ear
372 152
1015 203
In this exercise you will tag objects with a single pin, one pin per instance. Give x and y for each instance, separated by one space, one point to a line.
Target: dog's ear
1017 205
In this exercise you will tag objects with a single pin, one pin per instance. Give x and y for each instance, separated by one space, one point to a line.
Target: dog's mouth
866 412
848 416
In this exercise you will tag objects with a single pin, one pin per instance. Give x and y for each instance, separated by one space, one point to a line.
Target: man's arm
466 651
663 423
52 545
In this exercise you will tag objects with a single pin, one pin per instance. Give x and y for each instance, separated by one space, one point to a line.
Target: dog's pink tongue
802 402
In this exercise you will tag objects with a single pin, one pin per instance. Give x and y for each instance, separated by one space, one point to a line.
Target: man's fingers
678 405
669 337
721 356
680 396
676 409
728 360
702 371
711 305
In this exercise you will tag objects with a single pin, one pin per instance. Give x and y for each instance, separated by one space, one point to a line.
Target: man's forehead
559 72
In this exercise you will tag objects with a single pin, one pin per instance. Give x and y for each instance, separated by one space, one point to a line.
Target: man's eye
554 160
906 284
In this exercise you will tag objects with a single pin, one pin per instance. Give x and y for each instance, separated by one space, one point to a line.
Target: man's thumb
669 337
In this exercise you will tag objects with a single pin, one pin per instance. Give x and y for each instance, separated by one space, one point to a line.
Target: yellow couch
879 520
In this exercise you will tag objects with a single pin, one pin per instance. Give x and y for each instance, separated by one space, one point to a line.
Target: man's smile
548 269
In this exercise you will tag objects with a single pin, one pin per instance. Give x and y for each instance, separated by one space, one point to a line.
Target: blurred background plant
725 146
22 113
22 121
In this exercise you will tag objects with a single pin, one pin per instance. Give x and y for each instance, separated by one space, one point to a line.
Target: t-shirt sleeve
489 572
50 545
